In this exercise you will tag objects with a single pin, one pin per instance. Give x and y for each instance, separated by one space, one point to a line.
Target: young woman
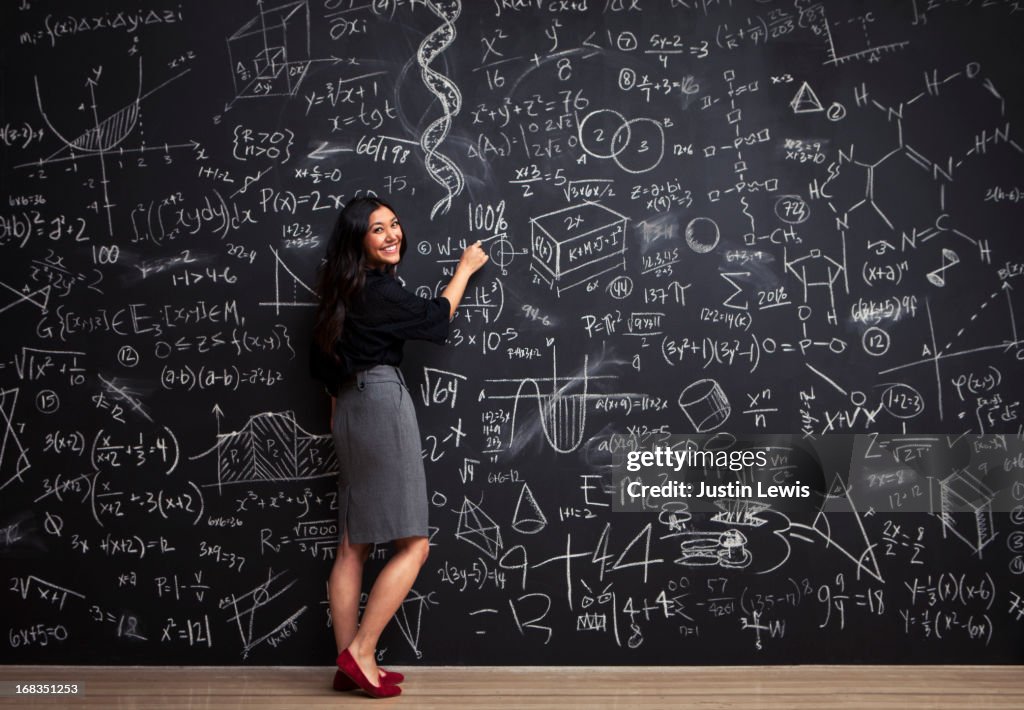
364 317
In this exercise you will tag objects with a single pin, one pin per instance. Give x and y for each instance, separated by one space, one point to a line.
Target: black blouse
376 327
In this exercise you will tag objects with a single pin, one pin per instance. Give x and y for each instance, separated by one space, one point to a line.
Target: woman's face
383 239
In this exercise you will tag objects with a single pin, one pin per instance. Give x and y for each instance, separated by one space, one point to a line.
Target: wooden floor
510 688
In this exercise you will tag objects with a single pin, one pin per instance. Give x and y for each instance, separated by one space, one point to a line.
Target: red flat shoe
347 664
391 677
343 683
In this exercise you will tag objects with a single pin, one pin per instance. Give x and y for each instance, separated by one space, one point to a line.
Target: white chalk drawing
805 100
966 510
851 541
576 244
478 529
839 35
726 549
702 234
705 405
440 167
13 454
937 277
409 618
269 54
105 139
244 610
739 511
649 144
271 447
286 280
528 518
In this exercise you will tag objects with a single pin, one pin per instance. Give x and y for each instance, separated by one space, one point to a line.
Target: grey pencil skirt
382 487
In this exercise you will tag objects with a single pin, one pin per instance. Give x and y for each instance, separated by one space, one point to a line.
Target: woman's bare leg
344 587
389 591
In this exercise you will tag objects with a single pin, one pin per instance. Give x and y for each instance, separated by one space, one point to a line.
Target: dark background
727 219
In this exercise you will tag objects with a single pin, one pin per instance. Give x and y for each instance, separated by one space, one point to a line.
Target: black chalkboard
719 220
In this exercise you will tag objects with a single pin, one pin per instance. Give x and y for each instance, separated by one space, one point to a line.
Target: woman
363 319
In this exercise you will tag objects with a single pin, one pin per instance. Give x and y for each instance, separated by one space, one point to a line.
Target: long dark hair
341 276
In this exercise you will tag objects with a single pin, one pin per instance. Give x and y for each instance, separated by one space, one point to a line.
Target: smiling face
383 239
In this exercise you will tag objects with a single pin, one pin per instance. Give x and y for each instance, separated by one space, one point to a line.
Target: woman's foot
360 668
343 683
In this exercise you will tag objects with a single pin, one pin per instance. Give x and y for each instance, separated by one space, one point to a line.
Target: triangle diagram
806 101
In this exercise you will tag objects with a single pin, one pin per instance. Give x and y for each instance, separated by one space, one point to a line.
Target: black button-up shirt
376 327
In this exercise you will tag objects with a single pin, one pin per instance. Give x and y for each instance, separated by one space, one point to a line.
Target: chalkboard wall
719 219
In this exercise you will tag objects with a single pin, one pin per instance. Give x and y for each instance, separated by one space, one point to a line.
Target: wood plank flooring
565 688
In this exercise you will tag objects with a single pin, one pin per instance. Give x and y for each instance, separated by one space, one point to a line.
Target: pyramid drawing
478 529
805 100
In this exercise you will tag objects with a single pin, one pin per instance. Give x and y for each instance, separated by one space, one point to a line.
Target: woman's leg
388 592
344 587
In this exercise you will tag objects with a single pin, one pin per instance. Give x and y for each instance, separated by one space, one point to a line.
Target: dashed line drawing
298 287
934 356
816 18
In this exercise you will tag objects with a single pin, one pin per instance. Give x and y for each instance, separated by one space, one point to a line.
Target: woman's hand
473 257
